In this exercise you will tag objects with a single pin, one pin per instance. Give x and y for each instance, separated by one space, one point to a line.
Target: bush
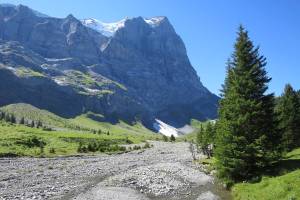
32 142
122 148
165 138
102 146
136 147
52 150
147 145
47 129
172 138
128 141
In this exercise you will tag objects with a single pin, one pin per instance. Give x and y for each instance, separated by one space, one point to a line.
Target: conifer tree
32 124
12 119
22 120
39 124
7 117
165 138
288 112
172 138
246 136
205 138
1 115
199 136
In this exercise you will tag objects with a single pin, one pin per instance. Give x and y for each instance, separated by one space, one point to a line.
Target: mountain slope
85 122
139 71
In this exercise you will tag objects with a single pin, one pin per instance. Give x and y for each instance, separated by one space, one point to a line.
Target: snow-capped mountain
109 29
138 71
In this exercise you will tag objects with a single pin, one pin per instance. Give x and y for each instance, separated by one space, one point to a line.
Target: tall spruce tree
288 112
246 135
199 136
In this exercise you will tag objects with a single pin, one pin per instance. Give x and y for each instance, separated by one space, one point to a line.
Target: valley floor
165 171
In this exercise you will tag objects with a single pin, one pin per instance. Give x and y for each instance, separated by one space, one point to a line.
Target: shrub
172 138
136 147
147 145
52 150
165 138
32 142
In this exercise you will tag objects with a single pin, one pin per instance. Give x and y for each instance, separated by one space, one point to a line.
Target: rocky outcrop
139 72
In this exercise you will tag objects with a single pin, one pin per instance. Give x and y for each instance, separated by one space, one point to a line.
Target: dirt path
163 172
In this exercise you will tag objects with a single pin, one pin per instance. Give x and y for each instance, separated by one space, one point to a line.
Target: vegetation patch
283 183
26 72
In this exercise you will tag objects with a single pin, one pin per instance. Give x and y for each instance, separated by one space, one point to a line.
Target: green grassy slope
17 140
121 128
21 140
30 112
284 186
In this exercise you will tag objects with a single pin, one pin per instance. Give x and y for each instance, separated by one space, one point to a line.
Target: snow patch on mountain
154 21
165 129
109 29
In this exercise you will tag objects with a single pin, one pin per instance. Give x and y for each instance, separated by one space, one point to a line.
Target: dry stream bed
165 171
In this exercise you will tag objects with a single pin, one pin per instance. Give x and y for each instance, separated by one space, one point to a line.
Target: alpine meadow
116 109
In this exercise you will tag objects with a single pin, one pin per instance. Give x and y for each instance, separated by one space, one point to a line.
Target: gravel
165 171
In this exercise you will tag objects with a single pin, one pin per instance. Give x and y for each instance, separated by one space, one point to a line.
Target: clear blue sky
208 29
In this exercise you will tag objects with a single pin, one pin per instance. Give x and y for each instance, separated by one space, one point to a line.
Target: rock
208 196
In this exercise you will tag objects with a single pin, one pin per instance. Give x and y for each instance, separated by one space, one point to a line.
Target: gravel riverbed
165 171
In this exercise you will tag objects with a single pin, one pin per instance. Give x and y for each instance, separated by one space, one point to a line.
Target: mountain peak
155 21
7 5
23 8
110 28
107 29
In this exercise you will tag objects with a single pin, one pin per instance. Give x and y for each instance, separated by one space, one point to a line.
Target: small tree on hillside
12 119
39 124
2 115
7 117
288 112
172 138
205 139
165 138
199 136
22 120
32 124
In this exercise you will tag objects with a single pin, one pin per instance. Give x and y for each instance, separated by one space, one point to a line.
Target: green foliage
206 138
20 140
26 72
246 136
146 146
165 138
101 146
52 150
22 120
136 147
172 138
281 186
31 113
34 117
288 112
31 142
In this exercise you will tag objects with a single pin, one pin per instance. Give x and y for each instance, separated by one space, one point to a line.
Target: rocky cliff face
136 69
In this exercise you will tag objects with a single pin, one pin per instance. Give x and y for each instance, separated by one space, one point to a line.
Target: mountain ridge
142 72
